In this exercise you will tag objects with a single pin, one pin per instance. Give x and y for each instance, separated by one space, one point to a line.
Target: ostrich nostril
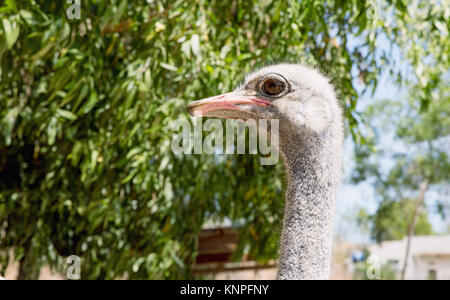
190 110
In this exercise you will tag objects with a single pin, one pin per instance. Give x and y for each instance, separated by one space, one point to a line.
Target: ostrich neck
313 167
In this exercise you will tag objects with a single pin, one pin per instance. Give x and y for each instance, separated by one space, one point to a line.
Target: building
429 256
216 247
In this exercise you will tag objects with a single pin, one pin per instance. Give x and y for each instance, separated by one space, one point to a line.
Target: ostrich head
299 97
310 139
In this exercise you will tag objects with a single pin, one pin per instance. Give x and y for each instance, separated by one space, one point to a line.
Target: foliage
391 220
86 107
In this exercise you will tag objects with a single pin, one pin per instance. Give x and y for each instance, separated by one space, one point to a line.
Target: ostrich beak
228 101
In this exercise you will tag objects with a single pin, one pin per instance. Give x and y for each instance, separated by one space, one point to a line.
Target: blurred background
89 89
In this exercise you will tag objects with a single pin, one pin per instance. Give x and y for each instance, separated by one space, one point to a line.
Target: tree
86 108
392 218
421 163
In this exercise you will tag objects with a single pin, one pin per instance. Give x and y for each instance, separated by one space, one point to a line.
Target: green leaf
168 67
11 4
195 44
66 114
90 103
12 31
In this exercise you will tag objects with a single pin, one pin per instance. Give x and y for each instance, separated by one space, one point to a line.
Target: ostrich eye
273 87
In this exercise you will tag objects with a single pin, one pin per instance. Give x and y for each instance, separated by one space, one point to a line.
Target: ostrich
310 140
